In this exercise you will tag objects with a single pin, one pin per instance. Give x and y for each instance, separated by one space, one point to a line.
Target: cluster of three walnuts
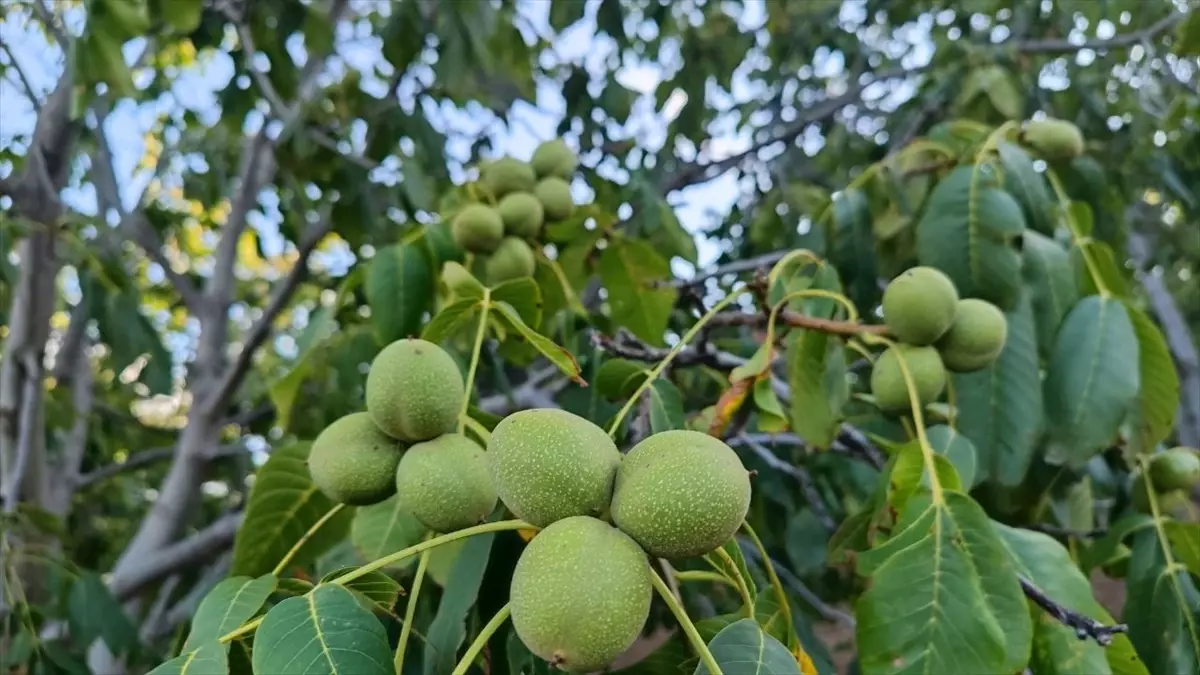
580 593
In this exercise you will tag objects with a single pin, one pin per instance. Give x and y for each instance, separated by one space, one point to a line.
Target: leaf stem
701 575
476 426
485 634
396 557
287 558
1077 237
679 346
410 611
241 630
736 575
918 421
1168 557
780 594
685 622
485 304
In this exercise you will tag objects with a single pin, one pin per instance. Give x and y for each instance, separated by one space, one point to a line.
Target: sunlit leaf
326 631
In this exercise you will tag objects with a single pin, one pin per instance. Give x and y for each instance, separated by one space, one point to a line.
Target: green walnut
556 199
414 390
919 305
507 175
1053 138
522 215
512 259
353 462
445 483
477 228
1167 500
554 158
1175 469
887 379
580 594
549 464
680 494
976 337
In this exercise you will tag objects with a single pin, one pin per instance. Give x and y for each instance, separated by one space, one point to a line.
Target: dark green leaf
1000 407
557 355
207 658
448 630
1051 281
619 378
326 632
451 319
1162 609
1092 380
283 505
817 376
1028 186
1158 398
227 606
377 590
967 232
630 270
384 528
666 407
743 648
399 290
93 612
524 296
853 246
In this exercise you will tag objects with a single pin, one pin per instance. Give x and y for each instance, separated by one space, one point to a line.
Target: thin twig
1056 46
754 264
798 320
798 587
146 458
1084 627
12 58
807 485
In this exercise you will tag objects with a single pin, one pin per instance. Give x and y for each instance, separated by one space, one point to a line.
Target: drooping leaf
943 581
853 250
816 374
283 505
742 647
524 296
384 528
630 271
1185 543
666 407
967 232
957 448
450 319
1158 398
1092 380
399 291
1051 280
207 658
326 631
1000 407
1044 561
228 605
557 355
1162 609
1103 266
448 630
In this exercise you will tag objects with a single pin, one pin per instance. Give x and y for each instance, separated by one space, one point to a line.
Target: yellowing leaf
248 252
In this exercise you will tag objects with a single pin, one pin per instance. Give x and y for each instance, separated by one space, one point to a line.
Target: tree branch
1084 627
763 261
146 458
203 545
25 83
797 320
807 485
1058 46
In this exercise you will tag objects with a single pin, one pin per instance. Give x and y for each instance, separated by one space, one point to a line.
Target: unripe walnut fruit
1053 138
522 215
445 483
353 462
505 175
919 305
414 390
512 259
477 228
555 196
887 379
976 337
1175 469
554 158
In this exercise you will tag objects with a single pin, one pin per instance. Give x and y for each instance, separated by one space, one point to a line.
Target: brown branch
798 320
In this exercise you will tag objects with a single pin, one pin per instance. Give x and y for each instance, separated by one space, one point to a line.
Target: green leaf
524 296
384 528
452 318
1162 609
955 447
326 632
1092 380
130 336
853 246
619 378
93 612
228 605
1158 398
666 407
183 16
399 291
941 583
1056 648
1000 407
967 231
557 355
630 271
817 377
670 237
1185 543
743 648
283 505
739 562
204 659
1028 186
1106 547
1106 267
1051 280
564 14
909 474
1187 41
448 630
377 590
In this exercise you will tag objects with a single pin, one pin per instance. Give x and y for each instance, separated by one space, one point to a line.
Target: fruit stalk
410 611
287 558
478 347
685 622
780 595
396 557
485 634
1077 237
731 570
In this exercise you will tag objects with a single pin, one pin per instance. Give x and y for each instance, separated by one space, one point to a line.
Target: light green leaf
452 318
377 590
557 355
1158 399
941 583
1028 186
771 417
1051 280
384 528
228 605
326 632
670 237
909 474
283 505
204 659
743 648
1044 561
1000 407
816 375
631 271
967 231
956 448
1106 267
666 407
1185 543
399 291
448 630
524 296
619 378
1092 380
